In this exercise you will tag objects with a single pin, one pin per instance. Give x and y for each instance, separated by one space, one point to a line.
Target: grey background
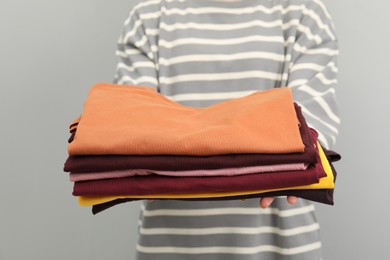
51 52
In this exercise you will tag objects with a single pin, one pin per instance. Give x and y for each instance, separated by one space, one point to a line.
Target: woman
200 52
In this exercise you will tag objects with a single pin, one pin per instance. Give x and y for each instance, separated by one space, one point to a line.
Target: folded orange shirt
324 183
134 120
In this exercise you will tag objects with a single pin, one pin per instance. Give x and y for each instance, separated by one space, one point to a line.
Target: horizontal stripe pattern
229 230
205 231
201 52
228 211
230 250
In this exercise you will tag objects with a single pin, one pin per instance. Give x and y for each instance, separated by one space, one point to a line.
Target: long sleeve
136 63
312 72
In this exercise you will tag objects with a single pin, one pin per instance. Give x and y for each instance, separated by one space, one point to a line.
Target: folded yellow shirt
325 183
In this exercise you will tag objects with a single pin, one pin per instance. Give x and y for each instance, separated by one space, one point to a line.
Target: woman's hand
266 201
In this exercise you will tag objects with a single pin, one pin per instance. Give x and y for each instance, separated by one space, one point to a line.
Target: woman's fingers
266 201
292 199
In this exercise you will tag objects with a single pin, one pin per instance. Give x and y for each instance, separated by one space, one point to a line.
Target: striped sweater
200 52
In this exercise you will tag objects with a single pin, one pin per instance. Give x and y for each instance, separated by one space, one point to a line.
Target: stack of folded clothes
132 143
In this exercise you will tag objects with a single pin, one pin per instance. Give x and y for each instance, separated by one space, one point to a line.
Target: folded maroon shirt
101 163
156 184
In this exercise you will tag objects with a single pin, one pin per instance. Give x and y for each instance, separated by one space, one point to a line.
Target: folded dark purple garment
71 136
324 196
332 156
102 163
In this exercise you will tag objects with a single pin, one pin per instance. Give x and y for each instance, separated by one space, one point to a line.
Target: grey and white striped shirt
201 52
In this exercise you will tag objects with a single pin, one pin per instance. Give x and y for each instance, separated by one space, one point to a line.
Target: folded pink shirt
191 173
